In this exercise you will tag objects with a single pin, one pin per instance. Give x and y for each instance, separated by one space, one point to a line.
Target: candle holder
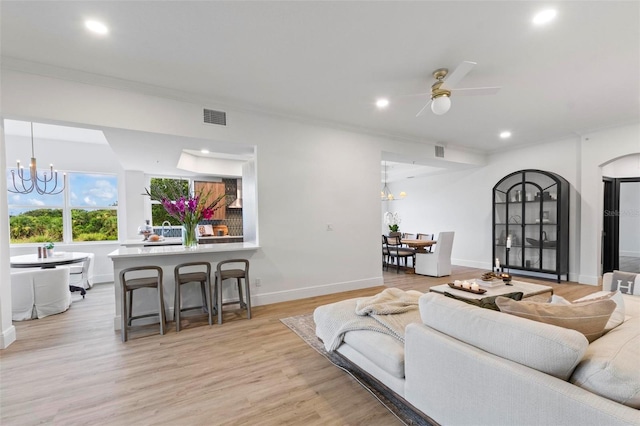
506 277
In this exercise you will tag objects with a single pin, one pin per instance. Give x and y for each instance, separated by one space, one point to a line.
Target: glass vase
189 238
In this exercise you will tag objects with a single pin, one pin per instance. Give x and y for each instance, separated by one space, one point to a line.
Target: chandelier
386 194
45 185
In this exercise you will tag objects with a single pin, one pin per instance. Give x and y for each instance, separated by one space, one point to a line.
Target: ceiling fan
445 86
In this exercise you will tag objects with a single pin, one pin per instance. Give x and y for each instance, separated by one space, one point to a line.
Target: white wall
308 176
461 201
596 150
7 330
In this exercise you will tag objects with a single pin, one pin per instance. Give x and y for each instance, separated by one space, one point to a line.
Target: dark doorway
621 224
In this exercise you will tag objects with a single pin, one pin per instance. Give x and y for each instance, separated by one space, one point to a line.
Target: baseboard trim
321 290
102 278
7 337
588 279
630 253
472 264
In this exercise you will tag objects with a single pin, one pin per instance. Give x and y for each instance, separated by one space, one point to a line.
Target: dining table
419 245
58 258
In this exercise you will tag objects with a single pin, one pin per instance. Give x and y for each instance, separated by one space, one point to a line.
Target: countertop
163 242
173 250
176 241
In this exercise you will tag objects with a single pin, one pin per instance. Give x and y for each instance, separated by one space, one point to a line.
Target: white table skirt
37 293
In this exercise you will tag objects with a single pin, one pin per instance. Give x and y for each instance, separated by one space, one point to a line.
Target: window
94 207
158 213
85 211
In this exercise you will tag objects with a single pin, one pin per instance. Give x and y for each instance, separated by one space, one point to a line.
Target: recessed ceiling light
543 17
382 103
204 151
505 134
96 27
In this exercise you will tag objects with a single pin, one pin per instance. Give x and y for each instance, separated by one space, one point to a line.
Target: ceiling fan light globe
441 105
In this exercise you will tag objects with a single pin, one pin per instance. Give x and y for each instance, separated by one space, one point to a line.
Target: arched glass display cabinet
531 215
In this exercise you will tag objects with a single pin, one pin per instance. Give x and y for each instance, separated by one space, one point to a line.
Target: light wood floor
72 369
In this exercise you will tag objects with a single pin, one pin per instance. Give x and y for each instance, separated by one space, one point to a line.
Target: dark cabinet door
531 223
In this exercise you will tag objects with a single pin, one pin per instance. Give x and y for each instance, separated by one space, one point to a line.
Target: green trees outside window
85 211
158 212
36 226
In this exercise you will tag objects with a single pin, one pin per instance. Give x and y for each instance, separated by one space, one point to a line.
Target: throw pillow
589 318
623 281
617 317
486 302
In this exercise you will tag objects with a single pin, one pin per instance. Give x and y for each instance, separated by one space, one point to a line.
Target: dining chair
438 263
79 275
407 236
426 237
385 252
397 252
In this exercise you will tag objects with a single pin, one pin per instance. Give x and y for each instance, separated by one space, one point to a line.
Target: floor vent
215 117
440 151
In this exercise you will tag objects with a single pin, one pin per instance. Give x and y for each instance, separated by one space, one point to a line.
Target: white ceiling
329 61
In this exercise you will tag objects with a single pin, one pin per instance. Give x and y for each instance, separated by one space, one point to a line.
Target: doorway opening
621 225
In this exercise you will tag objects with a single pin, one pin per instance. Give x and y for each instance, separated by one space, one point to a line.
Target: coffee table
528 290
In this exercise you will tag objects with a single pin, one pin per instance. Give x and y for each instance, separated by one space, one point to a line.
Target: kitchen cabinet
531 214
214 189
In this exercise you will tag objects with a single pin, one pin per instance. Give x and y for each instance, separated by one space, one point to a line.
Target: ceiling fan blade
458 74
423 108
476 91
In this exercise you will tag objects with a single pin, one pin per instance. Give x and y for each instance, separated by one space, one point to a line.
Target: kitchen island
167 257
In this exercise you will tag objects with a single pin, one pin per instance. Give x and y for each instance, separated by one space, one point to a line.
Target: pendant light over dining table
27 183
386 194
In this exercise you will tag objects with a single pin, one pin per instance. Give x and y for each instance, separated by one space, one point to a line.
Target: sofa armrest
606 281
458 384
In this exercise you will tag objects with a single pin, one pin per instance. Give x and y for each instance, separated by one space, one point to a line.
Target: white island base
145 301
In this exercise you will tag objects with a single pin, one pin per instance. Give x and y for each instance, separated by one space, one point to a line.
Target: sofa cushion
610 365
488 302
618 315
383 350
626 282
589 318
543 347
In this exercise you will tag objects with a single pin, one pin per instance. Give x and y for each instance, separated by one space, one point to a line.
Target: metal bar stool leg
219 296
247 286
123 312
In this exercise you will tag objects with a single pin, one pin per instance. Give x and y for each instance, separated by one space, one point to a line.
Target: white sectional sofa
464 365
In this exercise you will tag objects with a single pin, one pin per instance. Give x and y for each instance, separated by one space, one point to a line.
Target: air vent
440 151
215 117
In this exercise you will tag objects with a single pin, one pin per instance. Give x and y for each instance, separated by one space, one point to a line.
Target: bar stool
131 284
238 274
204 278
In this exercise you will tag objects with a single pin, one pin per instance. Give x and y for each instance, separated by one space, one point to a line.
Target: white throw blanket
334 320
389 301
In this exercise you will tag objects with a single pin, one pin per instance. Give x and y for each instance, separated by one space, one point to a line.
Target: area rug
304 327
